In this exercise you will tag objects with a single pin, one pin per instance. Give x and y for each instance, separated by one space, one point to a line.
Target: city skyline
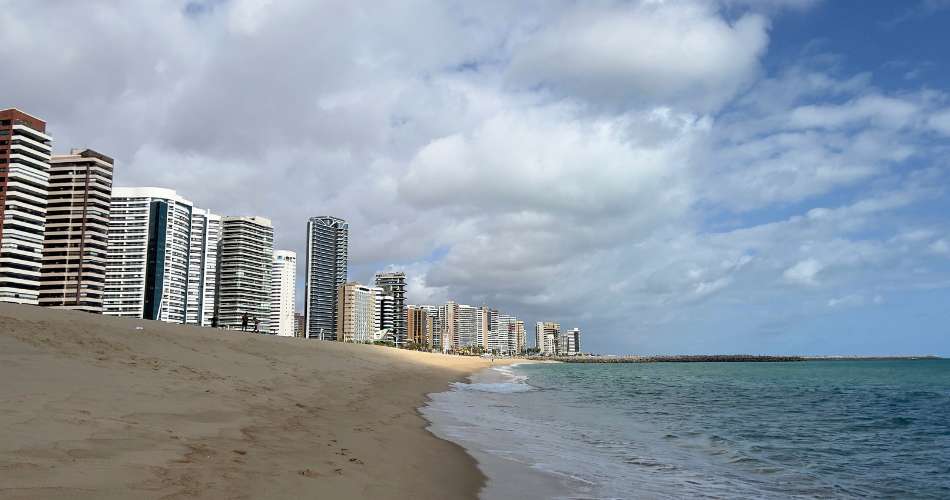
148 252
776 190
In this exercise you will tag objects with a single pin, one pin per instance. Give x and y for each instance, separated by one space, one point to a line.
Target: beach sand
97 407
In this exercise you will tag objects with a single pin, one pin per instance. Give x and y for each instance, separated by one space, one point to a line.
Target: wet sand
96 407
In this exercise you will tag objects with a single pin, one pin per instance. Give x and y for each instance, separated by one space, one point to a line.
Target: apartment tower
571 342
283 293
488 327
394 285
434 327
447 321
24 184
326 270
385 313
468 326
357 314
149 254
501 341
418 326
519 346
245 260
77 231
547 337
203 267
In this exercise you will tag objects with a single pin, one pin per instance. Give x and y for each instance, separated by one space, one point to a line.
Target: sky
669 176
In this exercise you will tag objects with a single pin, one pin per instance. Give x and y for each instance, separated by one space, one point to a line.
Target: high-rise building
245 260
469 325
298 325
385 312
77 231
24 184
500 340
283 293
571 342
547 335
203 267
488 327
283 290
447 322
539 336
326 270
519 346
149 254
394 285
433 326
419 326
357 314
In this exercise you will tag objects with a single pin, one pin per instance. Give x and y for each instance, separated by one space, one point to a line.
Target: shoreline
99 407
505 476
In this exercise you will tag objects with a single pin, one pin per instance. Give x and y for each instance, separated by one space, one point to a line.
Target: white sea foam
496 387
509 373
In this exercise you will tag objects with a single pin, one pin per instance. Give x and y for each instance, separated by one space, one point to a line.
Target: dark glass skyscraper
327 248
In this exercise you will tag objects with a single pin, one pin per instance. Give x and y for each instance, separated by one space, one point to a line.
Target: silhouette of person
256 324
244 322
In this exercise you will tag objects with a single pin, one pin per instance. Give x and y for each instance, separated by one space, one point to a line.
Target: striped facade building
25 151
393 284
76 236
245 259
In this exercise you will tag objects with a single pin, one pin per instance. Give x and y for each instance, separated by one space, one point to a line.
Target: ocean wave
509 372
495 387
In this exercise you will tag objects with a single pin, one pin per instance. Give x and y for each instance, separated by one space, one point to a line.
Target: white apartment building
203 267
468 326
488 327
571 342
24 184
499 341
245 261
149 254
283 293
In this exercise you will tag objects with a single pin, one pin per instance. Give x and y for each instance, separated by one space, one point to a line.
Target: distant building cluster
551 341
70 240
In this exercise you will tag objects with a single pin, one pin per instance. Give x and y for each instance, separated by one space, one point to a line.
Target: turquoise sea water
727 430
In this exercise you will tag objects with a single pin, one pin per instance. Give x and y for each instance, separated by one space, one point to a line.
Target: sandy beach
96 407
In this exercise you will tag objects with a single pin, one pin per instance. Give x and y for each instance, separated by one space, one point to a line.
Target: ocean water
821 429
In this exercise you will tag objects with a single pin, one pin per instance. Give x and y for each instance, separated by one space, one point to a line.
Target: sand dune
94 407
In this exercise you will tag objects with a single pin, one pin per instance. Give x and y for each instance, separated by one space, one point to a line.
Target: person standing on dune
244 322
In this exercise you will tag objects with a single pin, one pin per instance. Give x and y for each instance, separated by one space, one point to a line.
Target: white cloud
941 122
677 52
847 301
872 109
940 247
804 272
